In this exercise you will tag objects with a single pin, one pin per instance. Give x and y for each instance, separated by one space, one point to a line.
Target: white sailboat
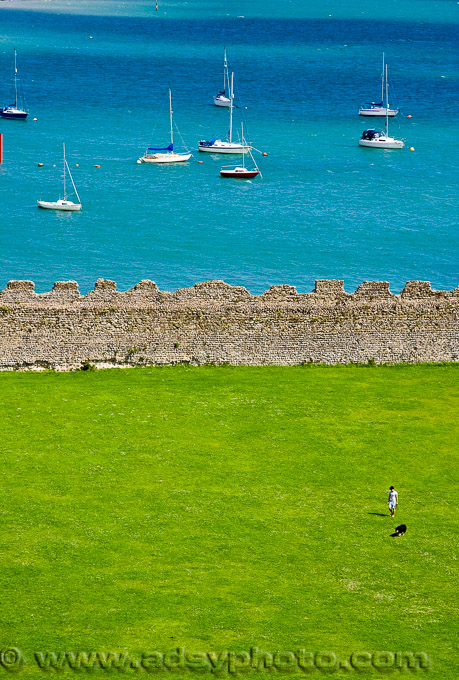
63 203
17 110
217 145
165 154
222 99
378 139
378 109
240 171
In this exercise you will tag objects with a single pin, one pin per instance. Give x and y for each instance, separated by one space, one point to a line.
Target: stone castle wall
213 322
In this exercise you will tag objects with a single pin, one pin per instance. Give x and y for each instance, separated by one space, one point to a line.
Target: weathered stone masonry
215 322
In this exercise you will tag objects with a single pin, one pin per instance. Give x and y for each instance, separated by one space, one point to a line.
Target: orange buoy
264 153
411 148
97 166
199 161
409 115
40 165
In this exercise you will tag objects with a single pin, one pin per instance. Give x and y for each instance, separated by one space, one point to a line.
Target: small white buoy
35 119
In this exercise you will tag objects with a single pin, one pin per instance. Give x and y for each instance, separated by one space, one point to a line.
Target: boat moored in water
17 110
222 98
13 112
217 145
378 109
240 171
372 109
165 154
380 140
63 203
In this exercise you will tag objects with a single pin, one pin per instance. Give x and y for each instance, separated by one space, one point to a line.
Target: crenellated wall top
147 292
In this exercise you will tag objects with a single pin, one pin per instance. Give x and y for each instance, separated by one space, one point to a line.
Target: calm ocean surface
325 207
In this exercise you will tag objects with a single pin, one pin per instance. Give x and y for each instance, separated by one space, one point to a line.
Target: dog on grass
400 530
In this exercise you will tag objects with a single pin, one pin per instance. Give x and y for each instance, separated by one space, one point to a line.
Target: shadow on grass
379 514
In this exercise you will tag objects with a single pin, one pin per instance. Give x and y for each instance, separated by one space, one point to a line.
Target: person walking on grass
392 501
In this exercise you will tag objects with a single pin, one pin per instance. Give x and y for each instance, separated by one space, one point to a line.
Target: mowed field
217 511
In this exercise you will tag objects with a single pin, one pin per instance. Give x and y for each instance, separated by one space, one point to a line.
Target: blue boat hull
22 115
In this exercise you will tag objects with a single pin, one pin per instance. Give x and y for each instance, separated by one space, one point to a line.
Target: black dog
400 530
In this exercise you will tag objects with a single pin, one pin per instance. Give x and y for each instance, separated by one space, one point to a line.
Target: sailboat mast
387 91
67 169
65 192
231 110
73 183
382 79
387 107
225 73
170 115
15 82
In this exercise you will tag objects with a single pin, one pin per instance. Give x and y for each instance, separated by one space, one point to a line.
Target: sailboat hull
68 206
219 100
13 114
170 156
382 143
165 158
223 147
379 111
239 173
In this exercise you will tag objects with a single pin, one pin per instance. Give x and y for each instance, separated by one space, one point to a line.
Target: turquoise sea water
96 75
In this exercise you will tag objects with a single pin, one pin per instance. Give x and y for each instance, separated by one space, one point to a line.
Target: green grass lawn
223 508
